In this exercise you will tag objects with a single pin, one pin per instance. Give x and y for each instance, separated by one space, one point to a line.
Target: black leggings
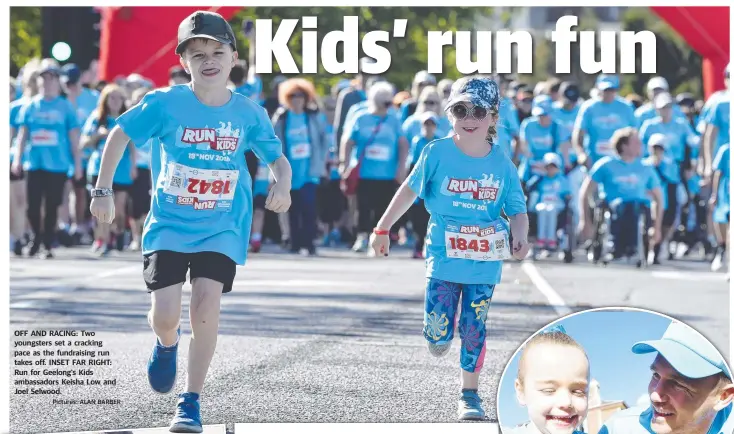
373 197
48 186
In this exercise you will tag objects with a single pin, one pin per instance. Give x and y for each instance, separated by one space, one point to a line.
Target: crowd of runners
554 132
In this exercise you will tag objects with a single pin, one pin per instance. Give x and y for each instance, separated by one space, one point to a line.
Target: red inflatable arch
142 39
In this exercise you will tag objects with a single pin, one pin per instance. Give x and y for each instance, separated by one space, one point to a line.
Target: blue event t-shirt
647 111
637 420
86 103
298 148
416 147
202 192
262 180
122 173
678 134
49 123
412 127
252 89
540 139
142 155
622 180
508 126
721 163
15 107
567 119
666 171
600 120
464 192
718 116
550 190
379 148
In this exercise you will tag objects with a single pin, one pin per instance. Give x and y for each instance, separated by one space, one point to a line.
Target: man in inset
690 388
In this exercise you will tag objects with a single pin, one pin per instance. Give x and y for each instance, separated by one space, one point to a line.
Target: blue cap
428 116
687 351
71 73
482 92
558 328
542 105
605 82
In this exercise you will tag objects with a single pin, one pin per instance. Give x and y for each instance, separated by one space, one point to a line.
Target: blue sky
607 338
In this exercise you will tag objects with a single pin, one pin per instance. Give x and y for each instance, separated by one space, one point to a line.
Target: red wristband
380 231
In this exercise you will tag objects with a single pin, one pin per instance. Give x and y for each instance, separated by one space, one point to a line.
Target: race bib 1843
201 189
478 243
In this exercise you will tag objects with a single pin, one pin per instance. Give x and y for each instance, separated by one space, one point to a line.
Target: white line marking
544 287
46 292
693 277
208 429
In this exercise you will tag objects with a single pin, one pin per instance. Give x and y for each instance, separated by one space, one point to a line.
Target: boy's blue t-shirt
465 197
122 173
624 181
379 148
600 120
49 123
142 155
202 192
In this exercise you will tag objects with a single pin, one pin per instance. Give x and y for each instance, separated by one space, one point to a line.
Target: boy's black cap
208 25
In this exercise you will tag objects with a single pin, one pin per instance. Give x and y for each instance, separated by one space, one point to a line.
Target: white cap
424 77
657 83
662 100
658 139
552 158
426 116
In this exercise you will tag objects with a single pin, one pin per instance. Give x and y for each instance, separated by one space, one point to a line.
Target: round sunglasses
461 111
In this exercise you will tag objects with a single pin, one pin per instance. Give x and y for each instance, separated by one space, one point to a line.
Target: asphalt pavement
335 338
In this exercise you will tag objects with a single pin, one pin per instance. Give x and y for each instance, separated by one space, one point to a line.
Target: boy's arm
111 156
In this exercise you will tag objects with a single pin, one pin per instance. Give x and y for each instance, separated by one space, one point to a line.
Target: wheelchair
604 248
565 230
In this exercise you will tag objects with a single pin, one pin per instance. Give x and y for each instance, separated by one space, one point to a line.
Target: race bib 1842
201 189
474 242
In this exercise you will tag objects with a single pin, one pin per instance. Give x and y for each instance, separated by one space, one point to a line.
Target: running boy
202 198
465 181
553 383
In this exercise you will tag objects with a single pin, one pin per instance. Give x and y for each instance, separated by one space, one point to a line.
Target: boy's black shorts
164 268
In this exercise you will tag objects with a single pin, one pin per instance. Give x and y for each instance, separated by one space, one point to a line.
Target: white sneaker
717 263
134 246
360 245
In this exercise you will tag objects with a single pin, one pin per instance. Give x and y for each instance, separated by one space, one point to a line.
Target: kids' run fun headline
271 46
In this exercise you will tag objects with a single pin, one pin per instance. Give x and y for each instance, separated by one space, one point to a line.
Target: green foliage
25 36
409 54
676 61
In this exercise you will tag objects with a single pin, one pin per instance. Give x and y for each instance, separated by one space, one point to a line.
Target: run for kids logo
484 189
222 139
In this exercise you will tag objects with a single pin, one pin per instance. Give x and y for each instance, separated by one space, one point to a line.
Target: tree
676 61
25 36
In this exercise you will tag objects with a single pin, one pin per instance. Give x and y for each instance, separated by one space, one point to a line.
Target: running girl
466 181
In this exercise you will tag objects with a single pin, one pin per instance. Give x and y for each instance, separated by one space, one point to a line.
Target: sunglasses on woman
460 112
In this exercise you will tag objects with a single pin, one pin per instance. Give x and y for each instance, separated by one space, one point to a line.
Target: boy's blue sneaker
162 366
187 418
470 406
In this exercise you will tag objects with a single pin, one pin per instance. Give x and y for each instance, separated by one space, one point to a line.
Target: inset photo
616 371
